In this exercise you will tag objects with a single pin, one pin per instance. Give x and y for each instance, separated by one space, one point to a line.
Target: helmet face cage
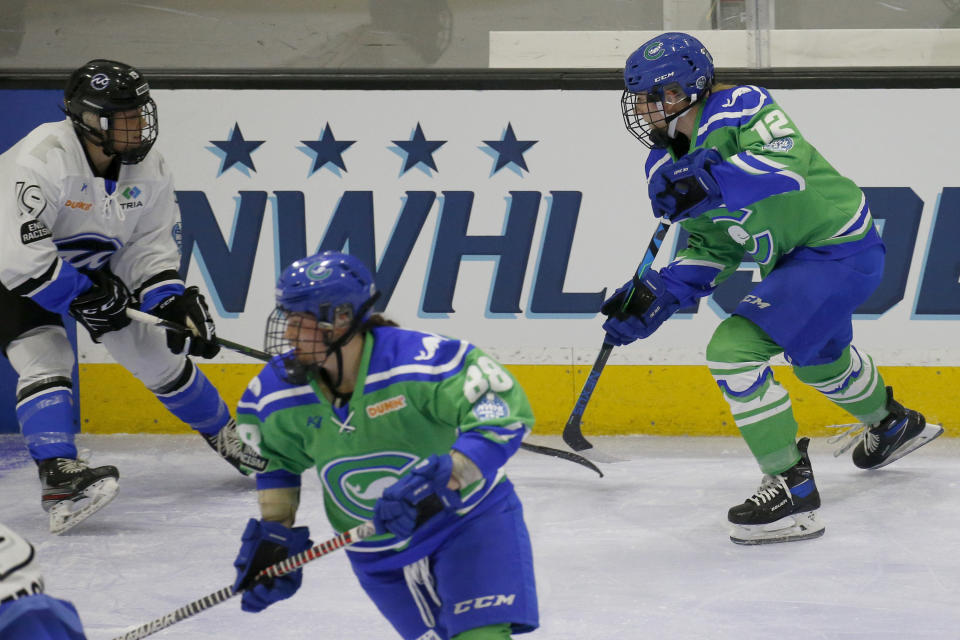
109 103
644 112
667 70
305 340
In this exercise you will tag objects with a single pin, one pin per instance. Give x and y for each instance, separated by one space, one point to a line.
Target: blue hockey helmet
668 69
338 291
335 287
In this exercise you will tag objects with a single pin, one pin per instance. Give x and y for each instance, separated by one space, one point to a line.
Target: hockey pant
803 309
39 617
482 575
43 359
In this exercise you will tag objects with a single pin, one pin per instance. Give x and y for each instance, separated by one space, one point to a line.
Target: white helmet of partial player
19 574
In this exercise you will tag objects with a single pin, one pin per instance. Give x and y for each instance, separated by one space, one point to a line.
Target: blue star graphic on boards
327 150
235 151
418 150
509 150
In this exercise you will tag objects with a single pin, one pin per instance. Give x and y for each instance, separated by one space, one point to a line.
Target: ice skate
783 509
72 491
902 431
231 448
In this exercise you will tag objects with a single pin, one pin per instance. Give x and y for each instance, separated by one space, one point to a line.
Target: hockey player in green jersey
731 167
393 420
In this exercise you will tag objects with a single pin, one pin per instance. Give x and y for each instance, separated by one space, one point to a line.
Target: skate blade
64 517
799 526
930 432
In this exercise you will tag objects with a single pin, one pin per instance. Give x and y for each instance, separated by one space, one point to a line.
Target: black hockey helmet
106 88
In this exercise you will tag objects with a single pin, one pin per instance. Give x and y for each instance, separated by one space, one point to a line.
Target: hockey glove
637 309
190 310
266 543
685 188
103 307
416 497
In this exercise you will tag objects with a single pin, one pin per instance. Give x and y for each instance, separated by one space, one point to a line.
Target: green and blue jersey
781 197
416 394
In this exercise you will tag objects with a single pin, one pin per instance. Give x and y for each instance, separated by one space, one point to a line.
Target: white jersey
58 221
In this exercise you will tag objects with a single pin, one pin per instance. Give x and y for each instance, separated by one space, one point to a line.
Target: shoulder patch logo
33 231
780 144
177 233
490 407
387 406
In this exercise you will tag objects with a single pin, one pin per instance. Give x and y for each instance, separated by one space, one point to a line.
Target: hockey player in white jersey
26 612
89 226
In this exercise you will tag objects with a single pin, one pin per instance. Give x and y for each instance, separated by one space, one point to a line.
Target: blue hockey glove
190 310
266 543
685 188
416 497
637 309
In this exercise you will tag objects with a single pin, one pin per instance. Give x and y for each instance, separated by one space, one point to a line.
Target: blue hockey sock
47 423
196 401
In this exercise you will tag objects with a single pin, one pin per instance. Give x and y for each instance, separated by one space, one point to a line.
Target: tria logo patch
131 192
390 404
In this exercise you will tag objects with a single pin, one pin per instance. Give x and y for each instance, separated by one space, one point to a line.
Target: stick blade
573 436
565 455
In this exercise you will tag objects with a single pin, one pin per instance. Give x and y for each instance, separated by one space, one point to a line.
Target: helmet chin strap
662 137
336 348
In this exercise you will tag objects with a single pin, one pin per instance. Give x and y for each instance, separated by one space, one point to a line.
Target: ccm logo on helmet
663 77
484 602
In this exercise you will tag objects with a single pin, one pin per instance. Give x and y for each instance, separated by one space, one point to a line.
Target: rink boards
505 218
630 399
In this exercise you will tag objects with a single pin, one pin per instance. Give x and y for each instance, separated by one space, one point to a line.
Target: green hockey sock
738 357
491 632
852 382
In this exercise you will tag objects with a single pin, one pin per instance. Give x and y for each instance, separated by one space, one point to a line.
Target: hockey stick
147 318
359 532
572 433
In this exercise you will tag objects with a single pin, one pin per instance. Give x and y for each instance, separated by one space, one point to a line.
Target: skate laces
71 466
852 433
769 487
228 442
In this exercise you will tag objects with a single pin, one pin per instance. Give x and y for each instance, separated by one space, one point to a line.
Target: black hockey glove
189 310
103 307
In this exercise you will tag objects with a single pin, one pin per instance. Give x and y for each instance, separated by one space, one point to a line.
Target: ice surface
641 553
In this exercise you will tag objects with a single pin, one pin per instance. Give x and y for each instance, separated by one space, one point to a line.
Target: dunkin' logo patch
390 404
